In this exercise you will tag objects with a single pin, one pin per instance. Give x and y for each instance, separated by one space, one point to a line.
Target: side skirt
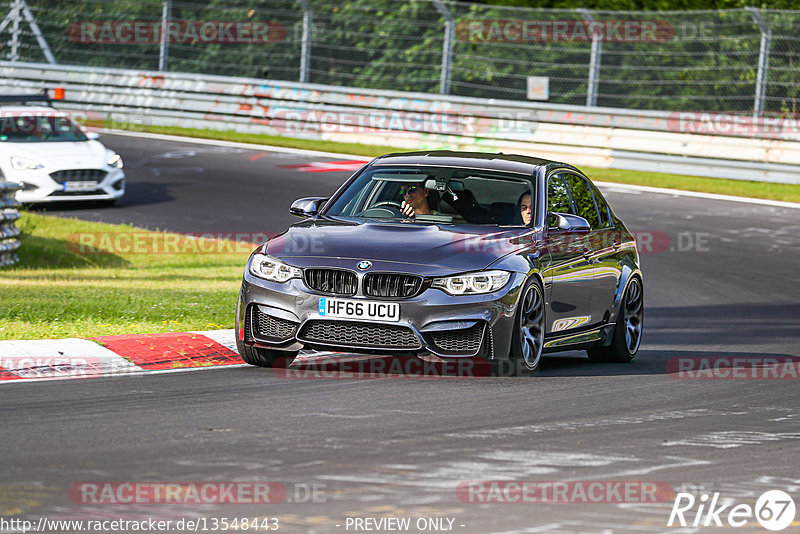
580 340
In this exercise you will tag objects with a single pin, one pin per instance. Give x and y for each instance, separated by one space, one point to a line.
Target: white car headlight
273 270
473 283
25 164
115 160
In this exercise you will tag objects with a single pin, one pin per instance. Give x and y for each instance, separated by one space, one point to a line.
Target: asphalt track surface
400 447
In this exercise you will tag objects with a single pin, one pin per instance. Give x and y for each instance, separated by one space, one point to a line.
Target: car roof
496 161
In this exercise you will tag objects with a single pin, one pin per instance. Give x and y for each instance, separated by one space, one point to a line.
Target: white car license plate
75 187
359 309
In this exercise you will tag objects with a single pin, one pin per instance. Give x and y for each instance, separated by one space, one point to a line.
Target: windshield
38 128
447 195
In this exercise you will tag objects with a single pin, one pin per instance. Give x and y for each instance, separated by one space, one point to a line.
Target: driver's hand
407 210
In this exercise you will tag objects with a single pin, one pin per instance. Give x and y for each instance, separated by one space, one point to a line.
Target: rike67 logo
774 510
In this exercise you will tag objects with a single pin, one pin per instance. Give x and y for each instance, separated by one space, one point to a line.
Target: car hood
60 154
411 247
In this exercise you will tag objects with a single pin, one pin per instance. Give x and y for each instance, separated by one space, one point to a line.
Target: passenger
415 200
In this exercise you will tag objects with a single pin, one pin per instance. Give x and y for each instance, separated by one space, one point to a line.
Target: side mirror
92 136
566 222
307 207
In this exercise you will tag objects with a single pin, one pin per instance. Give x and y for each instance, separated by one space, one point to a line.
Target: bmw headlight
273 270
115 160
473 283
25 164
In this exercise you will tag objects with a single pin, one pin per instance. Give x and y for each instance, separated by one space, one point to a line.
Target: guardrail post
163 53
447 46
9 214
763 60
15 14
19 8
594 61
48 54
305 47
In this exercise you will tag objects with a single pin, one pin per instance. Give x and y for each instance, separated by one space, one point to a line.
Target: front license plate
359 309
74 187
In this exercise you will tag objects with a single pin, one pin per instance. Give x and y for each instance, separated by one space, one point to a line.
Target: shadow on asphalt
722 323
646 362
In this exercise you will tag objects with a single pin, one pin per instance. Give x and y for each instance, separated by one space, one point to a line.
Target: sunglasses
409 189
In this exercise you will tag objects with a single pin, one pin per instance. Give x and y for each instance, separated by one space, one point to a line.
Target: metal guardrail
590 136
723 59
9 215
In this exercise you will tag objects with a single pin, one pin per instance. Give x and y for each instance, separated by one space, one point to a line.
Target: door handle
587 253
616 244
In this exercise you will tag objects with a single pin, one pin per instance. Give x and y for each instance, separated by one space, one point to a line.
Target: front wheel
528 339
266 357
628 330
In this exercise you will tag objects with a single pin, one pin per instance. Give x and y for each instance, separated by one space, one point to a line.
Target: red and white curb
51 359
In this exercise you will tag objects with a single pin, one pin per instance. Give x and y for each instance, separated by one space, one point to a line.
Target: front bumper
285 316
40 186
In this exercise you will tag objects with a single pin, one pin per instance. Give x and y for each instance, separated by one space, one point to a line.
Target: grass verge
741 188
83 279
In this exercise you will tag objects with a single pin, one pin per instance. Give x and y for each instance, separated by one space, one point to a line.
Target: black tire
627 335
527 340
266 357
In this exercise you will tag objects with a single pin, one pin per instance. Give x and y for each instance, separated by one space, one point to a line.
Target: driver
525 208
415 200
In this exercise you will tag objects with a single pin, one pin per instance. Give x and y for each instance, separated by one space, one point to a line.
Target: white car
54 158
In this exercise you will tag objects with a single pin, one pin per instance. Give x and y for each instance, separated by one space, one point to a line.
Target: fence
725 61
8 230
596 137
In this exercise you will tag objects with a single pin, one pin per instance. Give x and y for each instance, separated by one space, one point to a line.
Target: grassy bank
83 279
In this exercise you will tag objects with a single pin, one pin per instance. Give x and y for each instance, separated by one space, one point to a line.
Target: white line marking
226 338
234 144
732 439
710 196
54 359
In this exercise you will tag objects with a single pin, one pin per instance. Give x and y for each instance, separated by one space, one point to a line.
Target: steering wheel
391 203
391 207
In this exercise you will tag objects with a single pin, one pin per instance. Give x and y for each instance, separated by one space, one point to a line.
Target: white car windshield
18 128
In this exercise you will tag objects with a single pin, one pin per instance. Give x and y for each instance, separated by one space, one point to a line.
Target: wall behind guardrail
722 146
9 232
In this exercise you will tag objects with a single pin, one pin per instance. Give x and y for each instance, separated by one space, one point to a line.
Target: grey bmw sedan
450 255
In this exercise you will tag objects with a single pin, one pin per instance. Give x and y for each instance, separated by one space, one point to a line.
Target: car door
570 274
601 243
606 243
